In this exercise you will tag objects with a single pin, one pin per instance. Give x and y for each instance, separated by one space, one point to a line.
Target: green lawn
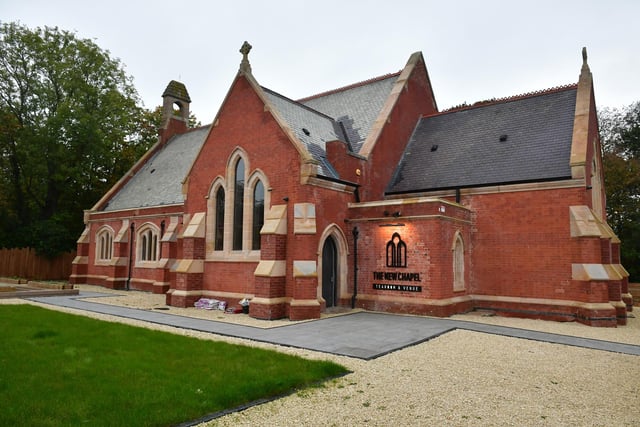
61 369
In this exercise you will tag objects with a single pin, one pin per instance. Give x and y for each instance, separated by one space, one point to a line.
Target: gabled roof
159 180
356 106
346 114
313 129
523 139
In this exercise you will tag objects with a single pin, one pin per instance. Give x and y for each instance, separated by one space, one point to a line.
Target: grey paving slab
363 335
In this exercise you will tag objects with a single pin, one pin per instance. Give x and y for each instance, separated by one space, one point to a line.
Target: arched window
219 227
148 244
238 205
458 263
258 214
104 245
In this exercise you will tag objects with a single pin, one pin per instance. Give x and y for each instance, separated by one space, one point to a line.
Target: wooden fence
25 264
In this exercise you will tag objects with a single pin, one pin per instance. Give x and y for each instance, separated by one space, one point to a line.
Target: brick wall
521 244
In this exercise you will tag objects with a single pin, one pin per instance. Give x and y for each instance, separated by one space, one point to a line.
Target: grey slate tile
159 181
463 148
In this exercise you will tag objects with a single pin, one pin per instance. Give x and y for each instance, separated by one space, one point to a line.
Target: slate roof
356 106
463 148
312 128
159 181
345 114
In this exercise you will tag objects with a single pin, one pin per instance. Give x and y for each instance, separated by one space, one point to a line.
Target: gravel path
462 378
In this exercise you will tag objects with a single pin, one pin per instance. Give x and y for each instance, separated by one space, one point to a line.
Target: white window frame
148 245
104 245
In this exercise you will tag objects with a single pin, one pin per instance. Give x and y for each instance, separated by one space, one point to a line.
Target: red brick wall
243 122
230 277
429 241
521 244
139 275
416 100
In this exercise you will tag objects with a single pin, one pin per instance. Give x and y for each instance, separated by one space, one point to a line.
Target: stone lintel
304 302
305 269
80 260
584 223
271 268
196 226
594 272
275 221
84 237
304 218
269 301
190 266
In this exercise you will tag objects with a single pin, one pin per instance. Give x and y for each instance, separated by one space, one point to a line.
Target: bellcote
176 102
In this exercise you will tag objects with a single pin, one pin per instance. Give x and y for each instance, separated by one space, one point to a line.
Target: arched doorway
330 272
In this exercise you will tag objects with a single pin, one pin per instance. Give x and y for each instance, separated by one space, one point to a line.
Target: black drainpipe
355 267
131 234
162 226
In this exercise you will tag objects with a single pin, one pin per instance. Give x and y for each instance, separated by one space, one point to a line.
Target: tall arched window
219 235
104 245
258 215
458 263
238 205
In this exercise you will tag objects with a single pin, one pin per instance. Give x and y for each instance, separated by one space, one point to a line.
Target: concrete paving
364 335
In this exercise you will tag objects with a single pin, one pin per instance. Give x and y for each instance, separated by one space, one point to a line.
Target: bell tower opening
176 102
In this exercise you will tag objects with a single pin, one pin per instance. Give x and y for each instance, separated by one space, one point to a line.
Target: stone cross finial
244 65
585 66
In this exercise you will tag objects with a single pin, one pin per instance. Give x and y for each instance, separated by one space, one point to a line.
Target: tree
70 127
620 131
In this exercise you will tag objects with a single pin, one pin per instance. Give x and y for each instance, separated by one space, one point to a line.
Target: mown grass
61 369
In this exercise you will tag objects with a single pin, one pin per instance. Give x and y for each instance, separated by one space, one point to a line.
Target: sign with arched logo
396 252
396 257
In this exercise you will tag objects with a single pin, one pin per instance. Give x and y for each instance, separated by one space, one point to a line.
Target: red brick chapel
368 196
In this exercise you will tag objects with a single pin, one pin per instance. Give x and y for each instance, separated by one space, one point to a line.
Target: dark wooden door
330 272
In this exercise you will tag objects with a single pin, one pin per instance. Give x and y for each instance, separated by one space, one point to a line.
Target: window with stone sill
236 212
104 245
148 245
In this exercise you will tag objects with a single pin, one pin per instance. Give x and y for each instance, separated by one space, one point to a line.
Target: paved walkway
363 335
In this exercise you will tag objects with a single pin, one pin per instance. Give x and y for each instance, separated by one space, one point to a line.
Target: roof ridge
298 103
351 86
198 128
493 101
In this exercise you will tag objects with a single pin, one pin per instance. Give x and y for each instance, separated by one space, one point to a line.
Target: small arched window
148 245
104 245
458 263
219 227
258 214
238 205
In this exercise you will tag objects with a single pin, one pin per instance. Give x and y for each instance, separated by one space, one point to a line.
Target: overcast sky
474 50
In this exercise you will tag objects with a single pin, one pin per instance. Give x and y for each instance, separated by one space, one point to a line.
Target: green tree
70 126
620 131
